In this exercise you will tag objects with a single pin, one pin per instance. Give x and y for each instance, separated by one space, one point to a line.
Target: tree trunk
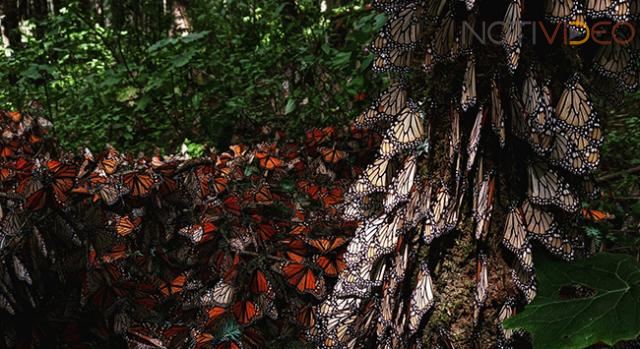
181 23
10 23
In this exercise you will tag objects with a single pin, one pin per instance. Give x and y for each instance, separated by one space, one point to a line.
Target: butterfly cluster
495 141
226 251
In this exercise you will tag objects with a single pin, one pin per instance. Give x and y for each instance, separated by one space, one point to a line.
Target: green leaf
341 59
126 94
182 59
194 36
32 72
291 106
611 313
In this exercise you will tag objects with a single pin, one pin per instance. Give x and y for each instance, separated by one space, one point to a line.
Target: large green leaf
609 314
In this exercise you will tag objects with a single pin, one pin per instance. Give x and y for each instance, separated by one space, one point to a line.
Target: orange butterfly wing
245 312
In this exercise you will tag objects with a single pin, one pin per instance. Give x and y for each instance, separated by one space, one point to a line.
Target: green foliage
555 320
194 150
243 64
620 195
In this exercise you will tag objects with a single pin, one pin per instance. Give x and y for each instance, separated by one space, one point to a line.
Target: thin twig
619 174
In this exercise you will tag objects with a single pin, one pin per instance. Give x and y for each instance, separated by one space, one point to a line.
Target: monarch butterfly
518 116
388 105
334 311
515 238
386 238
497 113
530 94
316 136
174 286
541 122
434 10
562 10
310 188
235 151
259 283
215 313
615 61
454 136
507 310
395 61
402 184
375 178
634 10
354 282
446 44
125 225
34 193
596 215
199 339
110 161
482 279
367 317
262 194
326 245
60 178
403 30
63 176
419 203
245 312
295 249
525 281
512 34
266 231
422 298
165 177
197 233
111 192
303 278
405 132
221 294
232 205
574 109
300 229
21 271
483 204
267 161
469 96
197 182
332 155
331 265
617 10
138 183
577 151
364 237
436 224
546 187
474 138
221 181
538 222
559 246
87 163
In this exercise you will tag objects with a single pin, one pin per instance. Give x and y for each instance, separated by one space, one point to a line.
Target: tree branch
619 174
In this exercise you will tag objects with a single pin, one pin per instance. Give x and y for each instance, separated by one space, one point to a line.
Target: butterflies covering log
169 252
